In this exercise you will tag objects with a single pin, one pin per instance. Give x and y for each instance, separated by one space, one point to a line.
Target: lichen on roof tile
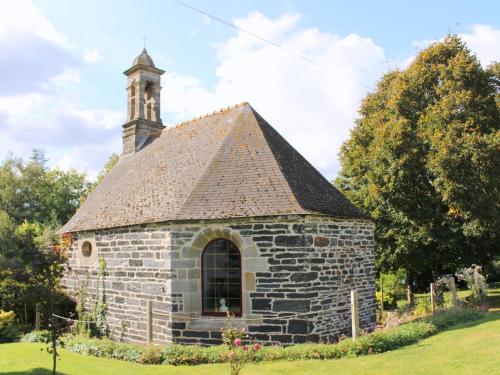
229 164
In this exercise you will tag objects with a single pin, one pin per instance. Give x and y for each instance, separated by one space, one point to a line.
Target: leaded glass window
221 276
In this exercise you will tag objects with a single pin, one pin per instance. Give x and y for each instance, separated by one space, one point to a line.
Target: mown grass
462 349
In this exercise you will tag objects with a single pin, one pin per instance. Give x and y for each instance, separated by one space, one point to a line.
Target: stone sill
216 323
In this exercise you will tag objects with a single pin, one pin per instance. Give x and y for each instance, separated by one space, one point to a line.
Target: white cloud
67 77
21 17
33 51
88 158
312 107
14 105
483 40
39 75
91 55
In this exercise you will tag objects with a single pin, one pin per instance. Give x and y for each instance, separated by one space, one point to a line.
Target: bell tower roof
143 103
144 59
143 62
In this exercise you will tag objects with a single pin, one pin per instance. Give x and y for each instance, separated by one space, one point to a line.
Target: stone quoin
219 214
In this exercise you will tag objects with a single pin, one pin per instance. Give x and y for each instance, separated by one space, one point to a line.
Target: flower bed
377 342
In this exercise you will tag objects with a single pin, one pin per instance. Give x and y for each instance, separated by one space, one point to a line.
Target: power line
296 54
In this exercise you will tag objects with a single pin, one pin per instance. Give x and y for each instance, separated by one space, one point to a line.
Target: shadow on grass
35 371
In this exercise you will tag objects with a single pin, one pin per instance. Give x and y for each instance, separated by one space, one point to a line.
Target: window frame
87 250
212 313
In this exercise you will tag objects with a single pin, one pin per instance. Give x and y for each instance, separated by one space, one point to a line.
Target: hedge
174 354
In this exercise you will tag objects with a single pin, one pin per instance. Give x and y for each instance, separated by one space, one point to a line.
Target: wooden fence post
37 317
433 299
453 290
354 314
149 321
381 296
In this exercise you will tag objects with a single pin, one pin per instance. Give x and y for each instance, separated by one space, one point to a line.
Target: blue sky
62 87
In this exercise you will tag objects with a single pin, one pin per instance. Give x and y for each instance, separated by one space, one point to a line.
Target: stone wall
138 269
297 273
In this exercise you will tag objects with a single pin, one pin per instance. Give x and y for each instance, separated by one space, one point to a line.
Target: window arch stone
251 263
86 250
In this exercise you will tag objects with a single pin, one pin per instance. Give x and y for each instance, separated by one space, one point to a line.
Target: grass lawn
466 349
472 348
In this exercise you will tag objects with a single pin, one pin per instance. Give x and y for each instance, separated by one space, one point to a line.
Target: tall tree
424 160
32 191
34 201
112 160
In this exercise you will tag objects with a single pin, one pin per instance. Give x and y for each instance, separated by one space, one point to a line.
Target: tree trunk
54 355
53 327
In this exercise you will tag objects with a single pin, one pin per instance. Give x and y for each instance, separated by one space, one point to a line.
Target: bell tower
143 103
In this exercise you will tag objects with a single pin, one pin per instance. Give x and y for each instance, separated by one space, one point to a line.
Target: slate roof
229 164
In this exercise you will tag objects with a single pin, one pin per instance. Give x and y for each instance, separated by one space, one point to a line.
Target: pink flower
245 348
237 342
256 346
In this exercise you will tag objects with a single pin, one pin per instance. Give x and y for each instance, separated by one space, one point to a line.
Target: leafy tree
33 192
34 201
52 262
113 159
424 161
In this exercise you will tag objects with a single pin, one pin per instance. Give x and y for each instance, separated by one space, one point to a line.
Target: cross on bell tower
143 103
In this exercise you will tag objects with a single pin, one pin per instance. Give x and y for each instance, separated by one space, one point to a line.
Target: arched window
87 249
221 278
149 100
149 90
132 108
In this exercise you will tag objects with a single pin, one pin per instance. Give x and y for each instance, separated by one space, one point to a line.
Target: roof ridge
209 114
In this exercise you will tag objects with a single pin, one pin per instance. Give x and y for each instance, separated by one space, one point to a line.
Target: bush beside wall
377 342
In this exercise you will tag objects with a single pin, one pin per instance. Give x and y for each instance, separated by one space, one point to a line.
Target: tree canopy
423 159
112 160
34 201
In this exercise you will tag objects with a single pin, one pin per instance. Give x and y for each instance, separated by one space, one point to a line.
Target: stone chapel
219 214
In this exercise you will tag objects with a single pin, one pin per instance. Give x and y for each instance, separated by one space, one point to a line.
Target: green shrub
37 336
175 354
390 302
104 348
422 306
152 355
192 355
492 271
9 329
11 333
446 319
6 318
